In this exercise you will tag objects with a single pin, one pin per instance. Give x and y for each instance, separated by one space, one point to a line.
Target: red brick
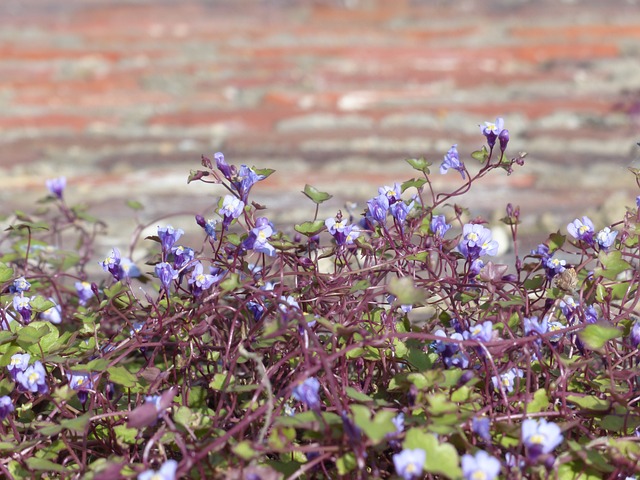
591 32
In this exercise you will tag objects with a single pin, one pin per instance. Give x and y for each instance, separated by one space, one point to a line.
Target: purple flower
22 305
452 160
53 314
56 186
6 407
308 393
33 379
439 225
257 239
288 307
507 379
81 383
377 209
20 285
199 280
168 237
398 422
533 325
476 266
481 332
634 335
591 314
400 210
409 463
541 250
111 264
553 266
392 194
481 466
167 472
476 241
232 207
450 352
582 230
342 233
166 274
182 256
480 426
606 237
553 327
244 180
210 228
492 130
503 138
85 292
19 363
540 437
128 269
568 306
226 170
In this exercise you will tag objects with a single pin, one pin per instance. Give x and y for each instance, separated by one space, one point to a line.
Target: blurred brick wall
124 97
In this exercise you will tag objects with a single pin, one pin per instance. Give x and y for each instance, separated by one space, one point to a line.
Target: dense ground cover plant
380 345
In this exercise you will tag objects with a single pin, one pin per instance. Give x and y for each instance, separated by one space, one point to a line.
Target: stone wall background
122 97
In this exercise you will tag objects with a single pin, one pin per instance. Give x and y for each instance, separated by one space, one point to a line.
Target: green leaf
316 195
358 396
595 336
556 241
360 285
30 335
125 434
309 228
265 172
481 155
231 282
244 450
122 376
134 205
420 164
612 264
40 304
590 402
405 292
417 183
6 273
377 428
441 458
43 465
540 401
346 463
114 289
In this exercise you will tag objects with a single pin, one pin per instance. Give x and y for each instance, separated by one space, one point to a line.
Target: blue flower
167 472
450 352
199 280
6 407
53 314
481 332
85 292
452 160
182 256
391 193
492 130
540 437
20 285
308 393
439 225
33 379
606 237
409 463
81 383
634 335
56 186
533 325
553 266
400 210
22 305
19 363
507 379
377 209
227 170
480 426
482 466
111 264
476 241
288 307
232 207
166 274
129 269
582 230
398 422
244 180
343 233
168 237
258 237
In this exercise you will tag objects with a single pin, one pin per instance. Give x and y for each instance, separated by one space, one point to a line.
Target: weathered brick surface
123 97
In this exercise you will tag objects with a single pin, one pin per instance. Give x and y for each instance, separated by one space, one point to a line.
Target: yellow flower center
34 377
583 229
479 475
537 439
472 236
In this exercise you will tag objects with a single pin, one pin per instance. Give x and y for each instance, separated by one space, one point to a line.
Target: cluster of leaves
328 351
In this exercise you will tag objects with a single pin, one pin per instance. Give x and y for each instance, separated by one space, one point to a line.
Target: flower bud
504 139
